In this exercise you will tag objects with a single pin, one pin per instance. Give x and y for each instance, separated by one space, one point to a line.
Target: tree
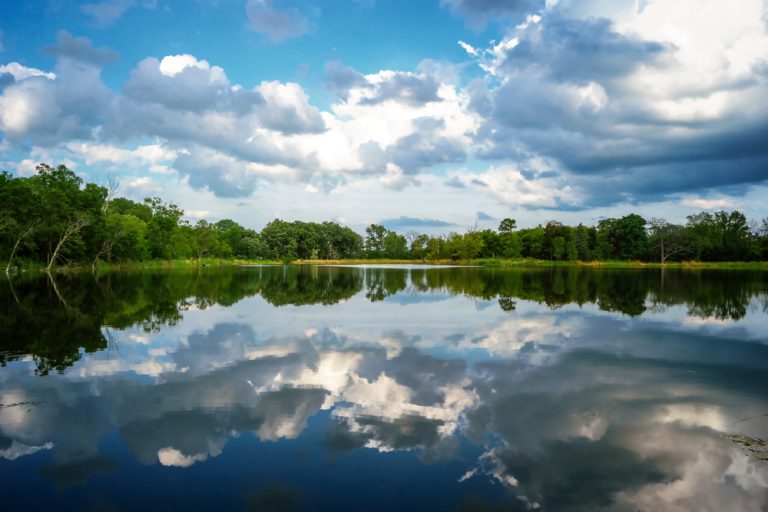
128 235
395 246
624 238
558 247
507 225
511 245
572 252
162 226
583 240
205 238
70 230
667 239
419 243
374 240
19 233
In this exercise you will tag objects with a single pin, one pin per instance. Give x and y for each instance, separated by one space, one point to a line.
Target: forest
53 219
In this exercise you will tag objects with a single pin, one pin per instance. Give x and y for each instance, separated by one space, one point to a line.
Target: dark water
305 388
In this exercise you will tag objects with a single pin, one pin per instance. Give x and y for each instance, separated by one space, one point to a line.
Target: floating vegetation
757 448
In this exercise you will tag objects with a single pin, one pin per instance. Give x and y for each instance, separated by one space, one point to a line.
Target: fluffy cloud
19 72
579 105
621 98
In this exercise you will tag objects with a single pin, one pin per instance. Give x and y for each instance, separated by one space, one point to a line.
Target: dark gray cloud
578 50
404 87
80 49
221 175
403 222
275 23
425 147
566 95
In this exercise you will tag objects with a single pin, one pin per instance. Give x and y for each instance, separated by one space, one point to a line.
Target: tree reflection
56 321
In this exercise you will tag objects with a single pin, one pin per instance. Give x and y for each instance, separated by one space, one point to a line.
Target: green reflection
54 321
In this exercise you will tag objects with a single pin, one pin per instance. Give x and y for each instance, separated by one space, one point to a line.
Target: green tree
374 240
558 247
507 225
162 227
667 240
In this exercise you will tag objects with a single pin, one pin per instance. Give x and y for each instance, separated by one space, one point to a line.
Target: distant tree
162 227
205 239
667 239
418 244
374 240
395 246
624 238
507 225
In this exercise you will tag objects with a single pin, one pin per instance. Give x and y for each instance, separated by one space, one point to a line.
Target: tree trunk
24 234
74 227
13 253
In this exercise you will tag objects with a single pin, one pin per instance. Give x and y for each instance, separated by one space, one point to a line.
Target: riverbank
527 262
490 263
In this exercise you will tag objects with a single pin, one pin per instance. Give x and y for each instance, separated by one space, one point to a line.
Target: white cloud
197 214
508 184
17 449
20 72
708 204
150 154
170 456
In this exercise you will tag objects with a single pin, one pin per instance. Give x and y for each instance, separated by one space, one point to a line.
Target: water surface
337 388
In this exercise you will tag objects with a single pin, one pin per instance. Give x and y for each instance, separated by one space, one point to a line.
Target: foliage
54 218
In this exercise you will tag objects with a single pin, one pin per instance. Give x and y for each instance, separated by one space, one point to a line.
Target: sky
429 115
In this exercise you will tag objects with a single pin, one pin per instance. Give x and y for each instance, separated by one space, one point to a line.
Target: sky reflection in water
298 388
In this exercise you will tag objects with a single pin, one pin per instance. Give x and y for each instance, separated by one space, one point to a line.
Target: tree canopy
55 218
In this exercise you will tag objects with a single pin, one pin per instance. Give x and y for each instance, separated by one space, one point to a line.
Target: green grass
32 267
527 262
530 262
103 266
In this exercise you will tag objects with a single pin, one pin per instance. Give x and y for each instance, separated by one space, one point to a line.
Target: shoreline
477 263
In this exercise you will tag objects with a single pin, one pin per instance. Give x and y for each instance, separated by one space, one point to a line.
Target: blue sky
431 115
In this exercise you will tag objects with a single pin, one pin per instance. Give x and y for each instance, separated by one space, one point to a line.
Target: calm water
306 388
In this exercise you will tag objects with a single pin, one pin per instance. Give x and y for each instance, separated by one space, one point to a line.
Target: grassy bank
732 265
528 262
491 263
104 266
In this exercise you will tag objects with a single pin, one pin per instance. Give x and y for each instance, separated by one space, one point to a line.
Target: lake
282 388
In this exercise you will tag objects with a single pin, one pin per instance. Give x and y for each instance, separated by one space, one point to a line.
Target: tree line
55 218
